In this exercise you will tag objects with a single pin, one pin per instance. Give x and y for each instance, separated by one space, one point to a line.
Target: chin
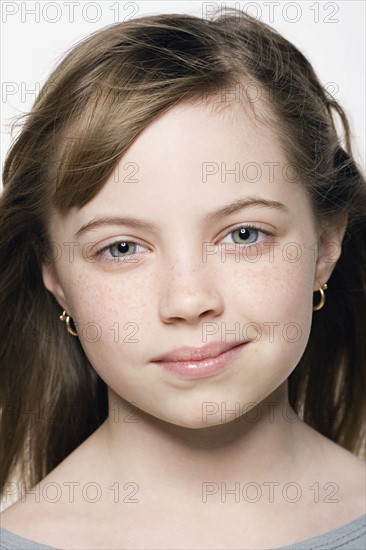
195 421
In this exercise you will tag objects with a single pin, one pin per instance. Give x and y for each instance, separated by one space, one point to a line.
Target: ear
330 249
52 283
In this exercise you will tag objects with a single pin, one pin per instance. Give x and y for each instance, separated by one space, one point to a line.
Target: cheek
109 317
292 313
276 296
107 298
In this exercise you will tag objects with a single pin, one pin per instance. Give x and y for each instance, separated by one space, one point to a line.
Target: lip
202 368
187 353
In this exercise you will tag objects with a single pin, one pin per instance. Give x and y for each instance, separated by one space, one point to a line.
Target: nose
189 293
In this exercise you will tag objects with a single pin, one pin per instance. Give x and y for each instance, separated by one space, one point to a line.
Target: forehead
201 151
195 158
203 129
210 145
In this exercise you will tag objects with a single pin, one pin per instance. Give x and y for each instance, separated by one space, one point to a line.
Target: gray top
351 536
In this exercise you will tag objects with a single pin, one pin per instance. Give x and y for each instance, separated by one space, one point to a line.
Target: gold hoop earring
322 297
65 317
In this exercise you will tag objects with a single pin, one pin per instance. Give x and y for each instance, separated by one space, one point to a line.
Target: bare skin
163 506
173 458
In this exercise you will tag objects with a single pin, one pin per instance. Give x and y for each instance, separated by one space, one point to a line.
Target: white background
36 35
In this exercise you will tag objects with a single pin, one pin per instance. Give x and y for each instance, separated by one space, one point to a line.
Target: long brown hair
106 90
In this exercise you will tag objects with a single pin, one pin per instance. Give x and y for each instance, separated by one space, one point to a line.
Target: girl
183 298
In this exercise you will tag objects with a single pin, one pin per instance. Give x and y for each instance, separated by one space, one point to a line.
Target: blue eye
120 251
244 234
248 234
121 248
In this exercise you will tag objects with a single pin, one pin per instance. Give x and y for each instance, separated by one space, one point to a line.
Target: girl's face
194 277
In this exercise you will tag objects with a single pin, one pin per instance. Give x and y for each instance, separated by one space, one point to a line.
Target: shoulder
55 503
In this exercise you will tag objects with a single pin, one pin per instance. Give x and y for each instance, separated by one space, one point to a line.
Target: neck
257 446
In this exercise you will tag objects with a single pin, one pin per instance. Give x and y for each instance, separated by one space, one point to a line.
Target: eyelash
113 259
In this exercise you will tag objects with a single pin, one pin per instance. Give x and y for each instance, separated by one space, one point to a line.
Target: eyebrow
218 214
